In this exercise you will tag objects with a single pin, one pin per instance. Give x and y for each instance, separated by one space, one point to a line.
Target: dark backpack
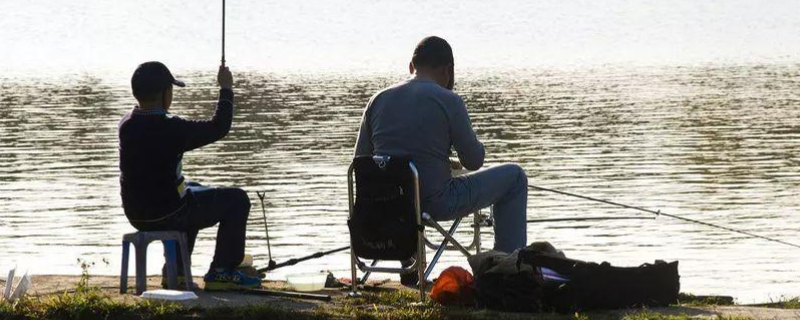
383 224
503 284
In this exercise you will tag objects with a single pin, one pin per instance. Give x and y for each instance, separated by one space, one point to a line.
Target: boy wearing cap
155 195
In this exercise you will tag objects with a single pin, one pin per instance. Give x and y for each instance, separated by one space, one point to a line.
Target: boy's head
152 85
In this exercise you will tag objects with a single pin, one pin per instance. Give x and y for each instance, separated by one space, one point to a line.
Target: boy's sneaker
218 280
181 283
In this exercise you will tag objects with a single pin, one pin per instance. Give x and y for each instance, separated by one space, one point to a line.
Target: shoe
181 283
409 279
218 280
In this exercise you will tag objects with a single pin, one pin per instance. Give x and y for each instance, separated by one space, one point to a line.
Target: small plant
578 316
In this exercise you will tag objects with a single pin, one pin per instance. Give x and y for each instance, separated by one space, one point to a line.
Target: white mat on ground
171 295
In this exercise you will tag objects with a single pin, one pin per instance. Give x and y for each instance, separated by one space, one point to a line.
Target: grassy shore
91 303
101 300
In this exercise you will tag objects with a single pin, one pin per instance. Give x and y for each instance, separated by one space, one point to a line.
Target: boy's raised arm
195 134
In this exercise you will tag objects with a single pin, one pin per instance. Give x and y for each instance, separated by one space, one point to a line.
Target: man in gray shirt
423 118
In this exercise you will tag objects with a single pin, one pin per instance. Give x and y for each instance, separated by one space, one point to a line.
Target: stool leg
183 245
141 266
123 277
171 257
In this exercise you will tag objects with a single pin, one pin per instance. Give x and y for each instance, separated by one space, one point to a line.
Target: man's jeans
206 207
503 186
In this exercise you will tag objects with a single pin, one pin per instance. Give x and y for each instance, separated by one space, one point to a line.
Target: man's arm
195 134
465 141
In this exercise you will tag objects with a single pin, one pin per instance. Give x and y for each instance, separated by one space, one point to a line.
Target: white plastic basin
307 281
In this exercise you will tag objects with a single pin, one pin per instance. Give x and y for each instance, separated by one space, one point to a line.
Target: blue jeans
505 187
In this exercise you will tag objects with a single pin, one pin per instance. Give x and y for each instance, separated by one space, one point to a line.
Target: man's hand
225 78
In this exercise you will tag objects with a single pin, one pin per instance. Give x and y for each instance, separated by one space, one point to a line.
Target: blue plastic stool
140 241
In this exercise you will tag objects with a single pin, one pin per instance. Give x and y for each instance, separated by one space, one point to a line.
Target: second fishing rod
659 213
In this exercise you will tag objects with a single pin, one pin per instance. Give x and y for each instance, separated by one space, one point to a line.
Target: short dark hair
432 52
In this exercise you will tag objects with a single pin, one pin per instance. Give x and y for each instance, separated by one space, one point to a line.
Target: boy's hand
456 165
225 78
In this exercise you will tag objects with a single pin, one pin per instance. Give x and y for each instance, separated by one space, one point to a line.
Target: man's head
433 58
152 85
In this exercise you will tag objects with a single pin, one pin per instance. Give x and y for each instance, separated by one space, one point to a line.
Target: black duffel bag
603 286
503 284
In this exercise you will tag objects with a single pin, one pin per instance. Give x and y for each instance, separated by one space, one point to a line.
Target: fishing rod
261 196
291 262
589 219
223 33
272 265
659 213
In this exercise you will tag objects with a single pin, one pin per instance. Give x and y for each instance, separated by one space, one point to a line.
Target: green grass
793 303
84 305
685 299
92 304
89 303
783 303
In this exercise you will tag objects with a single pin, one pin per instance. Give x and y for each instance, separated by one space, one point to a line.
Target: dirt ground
50 284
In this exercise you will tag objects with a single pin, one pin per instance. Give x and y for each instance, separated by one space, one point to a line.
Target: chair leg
123 277
421 266
476 230
449 235
443 245
186 259
141 266
171 257
368 273
353 279
435 259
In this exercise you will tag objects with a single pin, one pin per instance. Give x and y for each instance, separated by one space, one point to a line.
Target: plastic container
307 281
170 295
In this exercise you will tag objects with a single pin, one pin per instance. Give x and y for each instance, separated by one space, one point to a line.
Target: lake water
631 103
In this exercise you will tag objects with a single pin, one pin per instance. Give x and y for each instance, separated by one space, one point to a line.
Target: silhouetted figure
423 118
155 194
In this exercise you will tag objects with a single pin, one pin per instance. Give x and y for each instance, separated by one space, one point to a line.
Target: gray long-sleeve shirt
420 119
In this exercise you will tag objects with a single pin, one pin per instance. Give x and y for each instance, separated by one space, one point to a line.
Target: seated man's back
419 118
422 118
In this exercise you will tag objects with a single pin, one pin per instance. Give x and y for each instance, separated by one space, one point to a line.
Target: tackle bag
540 278
383 224
603 286
504 285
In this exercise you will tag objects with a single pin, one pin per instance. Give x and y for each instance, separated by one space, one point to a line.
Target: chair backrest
383 222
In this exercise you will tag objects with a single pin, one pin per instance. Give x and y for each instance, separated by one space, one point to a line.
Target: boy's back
151 147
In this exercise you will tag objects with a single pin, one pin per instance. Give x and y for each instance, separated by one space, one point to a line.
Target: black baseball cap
150 78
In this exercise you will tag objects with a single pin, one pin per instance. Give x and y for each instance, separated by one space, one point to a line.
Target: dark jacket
151 147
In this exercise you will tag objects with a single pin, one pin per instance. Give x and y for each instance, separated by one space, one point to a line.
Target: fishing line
659 213
589 219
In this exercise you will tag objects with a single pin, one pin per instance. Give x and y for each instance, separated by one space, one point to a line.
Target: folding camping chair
386 221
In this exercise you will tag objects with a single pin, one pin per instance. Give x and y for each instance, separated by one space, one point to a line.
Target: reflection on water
714 143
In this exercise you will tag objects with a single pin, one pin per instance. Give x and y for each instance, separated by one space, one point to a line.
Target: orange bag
455 287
